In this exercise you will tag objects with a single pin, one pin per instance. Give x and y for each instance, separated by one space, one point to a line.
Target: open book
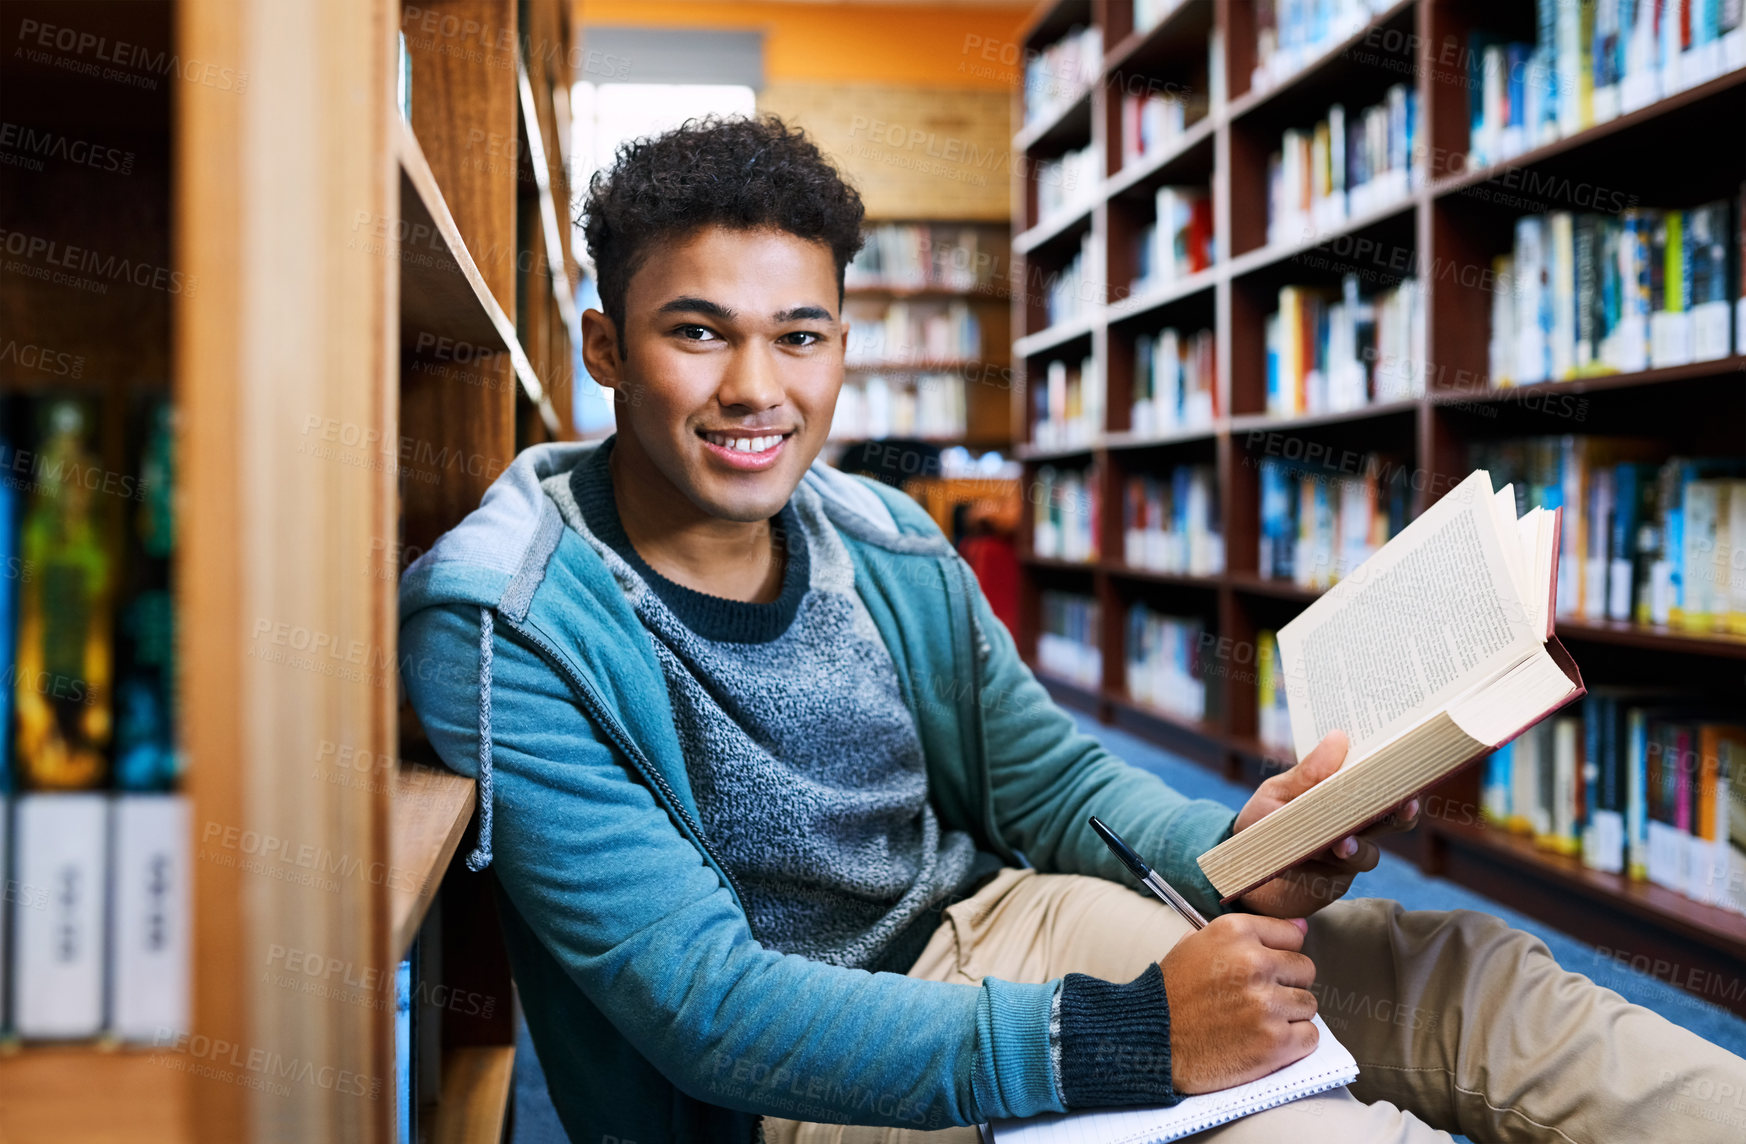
1330 1066
1433 652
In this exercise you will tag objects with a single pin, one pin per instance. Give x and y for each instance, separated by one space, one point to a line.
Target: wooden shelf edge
1267 586
1118 57
416 173
557 268
1466 180
1126 571
1057 563
1253 98
1030 136
1196 727
1067 221
1594 383
1251 422
1155 297
1659 638
1716 927
1056 336
1272 254
94 1094
1147 166
477 1084
431 809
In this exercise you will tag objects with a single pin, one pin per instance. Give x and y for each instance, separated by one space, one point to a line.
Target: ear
600 348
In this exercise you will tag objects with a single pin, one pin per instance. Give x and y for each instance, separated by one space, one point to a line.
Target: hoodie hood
496 558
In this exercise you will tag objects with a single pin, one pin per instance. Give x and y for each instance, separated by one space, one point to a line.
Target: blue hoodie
657 1014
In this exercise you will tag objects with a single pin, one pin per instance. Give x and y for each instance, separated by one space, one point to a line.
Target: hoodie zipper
979 739
621 739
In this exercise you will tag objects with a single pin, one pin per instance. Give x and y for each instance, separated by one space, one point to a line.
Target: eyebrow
691 304
805 314
688 304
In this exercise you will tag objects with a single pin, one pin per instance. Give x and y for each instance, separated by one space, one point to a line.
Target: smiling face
733 356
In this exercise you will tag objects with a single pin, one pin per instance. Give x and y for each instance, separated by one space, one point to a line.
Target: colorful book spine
150 879
1329 353
1065 524
1172 524
1069 405
1343 166
64 720
1068 639
1162 662
1316 526
1175 381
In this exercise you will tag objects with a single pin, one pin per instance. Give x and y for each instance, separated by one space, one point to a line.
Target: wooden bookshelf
985 375
477 1089
358 300
1449 219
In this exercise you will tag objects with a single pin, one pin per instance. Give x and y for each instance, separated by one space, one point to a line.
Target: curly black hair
745 174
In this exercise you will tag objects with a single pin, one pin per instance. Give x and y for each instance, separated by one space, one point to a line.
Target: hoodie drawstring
481 855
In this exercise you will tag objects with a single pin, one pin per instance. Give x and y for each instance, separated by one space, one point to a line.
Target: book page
1433 614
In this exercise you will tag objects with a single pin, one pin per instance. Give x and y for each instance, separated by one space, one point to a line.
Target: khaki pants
1459 1024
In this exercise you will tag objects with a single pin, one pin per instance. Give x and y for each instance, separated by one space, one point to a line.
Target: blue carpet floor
536 1123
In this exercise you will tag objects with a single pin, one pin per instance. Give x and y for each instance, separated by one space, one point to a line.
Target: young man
789 838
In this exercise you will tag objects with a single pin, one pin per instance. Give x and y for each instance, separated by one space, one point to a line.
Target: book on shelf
1272 716
1163 665
1070 294
1068 407
1333 353
929 405
907 331
1648 538
1586 294
1175 381
1172 524
63 662
1061 71
1179 242
1152 121
1319 524
1068 643
1432 654
1065 503
150 882
1067 183
1343 167
1291 33
98 893
1590 63
1148 14
918 256
1640 782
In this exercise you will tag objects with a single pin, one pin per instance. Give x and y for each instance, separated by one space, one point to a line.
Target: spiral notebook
1330 1066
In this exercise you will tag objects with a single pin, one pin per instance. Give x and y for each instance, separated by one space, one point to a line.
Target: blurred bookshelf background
1325 259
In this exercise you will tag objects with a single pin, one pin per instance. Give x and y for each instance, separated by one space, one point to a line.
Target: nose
751 382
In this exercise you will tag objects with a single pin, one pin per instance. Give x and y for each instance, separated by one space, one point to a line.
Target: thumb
1322 761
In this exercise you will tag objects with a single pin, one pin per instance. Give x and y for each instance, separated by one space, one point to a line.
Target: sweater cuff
1115 1042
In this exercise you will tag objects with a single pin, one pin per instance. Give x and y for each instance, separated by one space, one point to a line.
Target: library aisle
1169 313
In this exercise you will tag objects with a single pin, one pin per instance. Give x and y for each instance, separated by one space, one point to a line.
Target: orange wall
920 45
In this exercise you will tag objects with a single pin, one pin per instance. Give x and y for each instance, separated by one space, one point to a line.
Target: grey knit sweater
802 755
811 784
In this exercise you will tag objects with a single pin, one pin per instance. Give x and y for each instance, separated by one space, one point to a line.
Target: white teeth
743 444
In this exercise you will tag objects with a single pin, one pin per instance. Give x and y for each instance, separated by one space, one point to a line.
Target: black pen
1148 877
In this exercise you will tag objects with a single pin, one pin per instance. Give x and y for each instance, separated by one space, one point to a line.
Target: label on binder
150 923
57 975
